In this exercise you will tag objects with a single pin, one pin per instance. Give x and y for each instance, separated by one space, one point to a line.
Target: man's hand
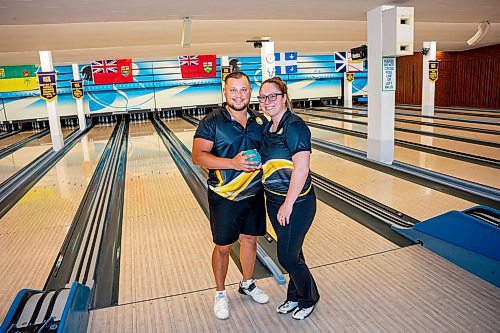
240 163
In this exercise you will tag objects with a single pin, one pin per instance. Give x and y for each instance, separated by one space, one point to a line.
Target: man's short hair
236 75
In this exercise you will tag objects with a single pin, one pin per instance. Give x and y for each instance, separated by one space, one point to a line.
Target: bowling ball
256 158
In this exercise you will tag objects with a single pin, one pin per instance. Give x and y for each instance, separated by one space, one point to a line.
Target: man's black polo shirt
230 138
292 136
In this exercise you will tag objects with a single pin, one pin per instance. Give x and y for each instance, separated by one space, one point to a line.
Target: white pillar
224 61
79 102
267 60
428 87
54 122
380 103
347 92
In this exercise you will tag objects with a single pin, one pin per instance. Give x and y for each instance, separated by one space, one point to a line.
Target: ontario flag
112 71
196 66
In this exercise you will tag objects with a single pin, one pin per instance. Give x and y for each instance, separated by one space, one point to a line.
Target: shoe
287 307
302 313
221 306
251 289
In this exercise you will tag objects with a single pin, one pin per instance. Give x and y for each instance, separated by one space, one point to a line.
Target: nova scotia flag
285 63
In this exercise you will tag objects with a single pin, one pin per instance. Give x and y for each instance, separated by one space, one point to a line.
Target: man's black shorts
229 219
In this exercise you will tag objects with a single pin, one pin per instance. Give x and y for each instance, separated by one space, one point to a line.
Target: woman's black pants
301 287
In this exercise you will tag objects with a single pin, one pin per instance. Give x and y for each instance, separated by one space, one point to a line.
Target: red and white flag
112 71
198 66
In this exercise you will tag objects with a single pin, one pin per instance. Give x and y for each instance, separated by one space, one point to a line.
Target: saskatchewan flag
16 78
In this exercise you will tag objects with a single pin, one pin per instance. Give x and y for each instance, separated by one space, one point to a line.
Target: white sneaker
250 289
287 307
221 305
302 313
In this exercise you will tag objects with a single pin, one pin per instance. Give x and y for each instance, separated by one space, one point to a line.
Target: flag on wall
340 62
355 65
196 66
17 78
112 71
285 63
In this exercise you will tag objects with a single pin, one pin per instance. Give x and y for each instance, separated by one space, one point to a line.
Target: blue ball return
64 310
470 239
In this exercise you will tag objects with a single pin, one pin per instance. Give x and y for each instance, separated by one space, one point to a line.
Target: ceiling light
482 30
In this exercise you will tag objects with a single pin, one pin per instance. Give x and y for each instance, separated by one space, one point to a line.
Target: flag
355 65
340 61
112 71
195 66
285 63
16 78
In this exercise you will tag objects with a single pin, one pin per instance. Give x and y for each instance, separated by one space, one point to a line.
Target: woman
290 198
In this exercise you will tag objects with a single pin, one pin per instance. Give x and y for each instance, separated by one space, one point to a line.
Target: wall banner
47 83
77 89
433 70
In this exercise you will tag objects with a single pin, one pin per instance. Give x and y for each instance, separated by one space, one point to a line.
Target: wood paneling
466 79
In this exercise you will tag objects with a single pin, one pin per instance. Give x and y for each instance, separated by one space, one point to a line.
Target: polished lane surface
17 160
33 230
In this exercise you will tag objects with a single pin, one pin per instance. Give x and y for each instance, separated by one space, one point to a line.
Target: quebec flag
285 63
340 60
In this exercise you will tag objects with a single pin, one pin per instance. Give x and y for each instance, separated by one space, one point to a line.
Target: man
235 193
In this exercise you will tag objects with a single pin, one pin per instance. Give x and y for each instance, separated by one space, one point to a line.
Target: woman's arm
300 172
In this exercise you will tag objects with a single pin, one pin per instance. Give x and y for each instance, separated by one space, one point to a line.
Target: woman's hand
284 213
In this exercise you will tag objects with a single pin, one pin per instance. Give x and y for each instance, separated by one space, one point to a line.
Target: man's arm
203 157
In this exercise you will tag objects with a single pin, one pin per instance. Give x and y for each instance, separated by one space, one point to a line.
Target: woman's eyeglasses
272 97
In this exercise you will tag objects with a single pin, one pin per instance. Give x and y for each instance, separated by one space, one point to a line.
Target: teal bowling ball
256 158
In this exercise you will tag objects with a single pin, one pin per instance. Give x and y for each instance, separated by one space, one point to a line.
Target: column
267 60
428 86
380 103
347 92
79 102
54 122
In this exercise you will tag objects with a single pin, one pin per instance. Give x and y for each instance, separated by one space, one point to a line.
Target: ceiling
83 30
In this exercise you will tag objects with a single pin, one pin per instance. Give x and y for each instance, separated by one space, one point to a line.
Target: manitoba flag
196 66
112 71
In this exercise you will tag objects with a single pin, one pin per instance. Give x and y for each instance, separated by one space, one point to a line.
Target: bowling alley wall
466 79
158 85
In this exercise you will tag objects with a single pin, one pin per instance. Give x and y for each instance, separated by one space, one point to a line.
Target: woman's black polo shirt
230 138
292 136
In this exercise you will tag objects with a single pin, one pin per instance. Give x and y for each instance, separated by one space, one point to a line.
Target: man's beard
237 108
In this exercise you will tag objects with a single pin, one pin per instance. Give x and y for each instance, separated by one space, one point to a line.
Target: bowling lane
4 143
455 122
14 162
32 232
427 127
333 236
166 243
473 115
412 199
456 168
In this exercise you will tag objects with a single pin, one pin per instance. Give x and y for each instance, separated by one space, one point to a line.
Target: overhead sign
433 70
77 89
389 74
47 83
